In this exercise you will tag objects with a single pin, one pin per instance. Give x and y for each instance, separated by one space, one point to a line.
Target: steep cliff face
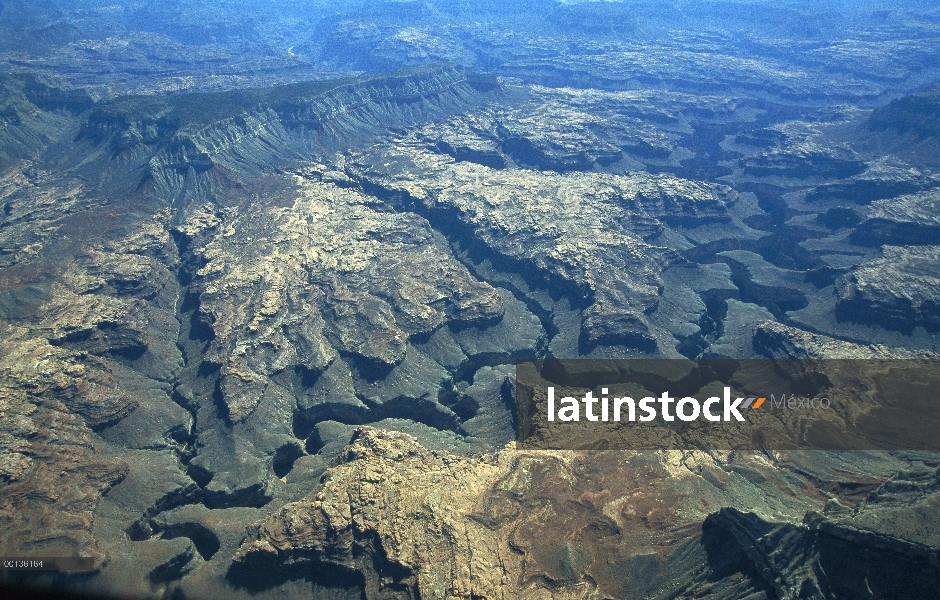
908 127
190 146
917 115
34 114
421 524
898 289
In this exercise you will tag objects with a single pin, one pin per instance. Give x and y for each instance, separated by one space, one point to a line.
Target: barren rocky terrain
264 276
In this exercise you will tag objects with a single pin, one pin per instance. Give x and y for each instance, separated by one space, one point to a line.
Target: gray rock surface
899 289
